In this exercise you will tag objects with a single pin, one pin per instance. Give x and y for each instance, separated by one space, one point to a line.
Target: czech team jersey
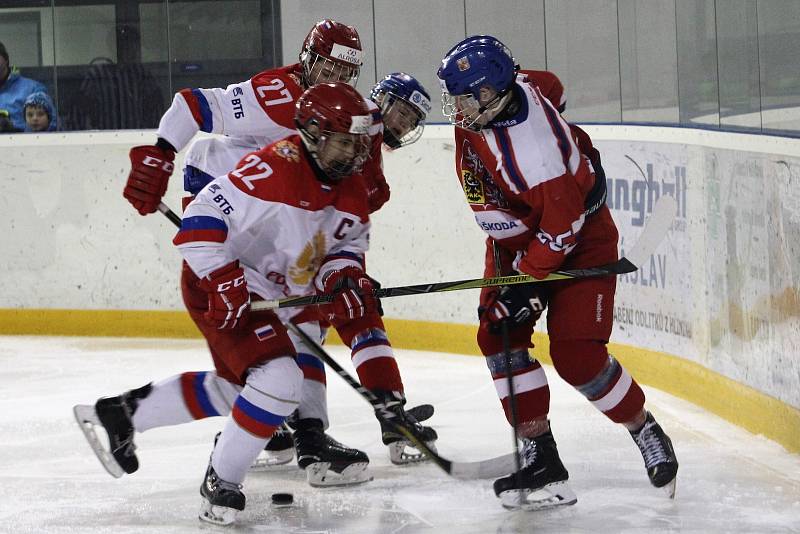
528 183
281 223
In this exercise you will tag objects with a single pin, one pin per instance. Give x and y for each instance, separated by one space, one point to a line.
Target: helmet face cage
334 122
318 68
403 122
341 154
331 53
477 63
404 105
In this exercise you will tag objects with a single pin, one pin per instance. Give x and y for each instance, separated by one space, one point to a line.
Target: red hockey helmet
331 53
334 120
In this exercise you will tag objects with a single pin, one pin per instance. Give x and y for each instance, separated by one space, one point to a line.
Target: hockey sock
614 392
374 361
183 398
530 385
314 401
271 393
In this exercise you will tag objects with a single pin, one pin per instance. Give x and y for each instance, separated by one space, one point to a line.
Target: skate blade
669 488
319 475
87 420
217 515
421 413
403 453
269 460
549 496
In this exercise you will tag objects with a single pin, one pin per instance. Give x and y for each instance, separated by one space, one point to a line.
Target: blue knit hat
42 100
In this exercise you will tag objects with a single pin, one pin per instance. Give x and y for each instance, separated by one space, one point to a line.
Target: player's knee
280 378
578 361
519 338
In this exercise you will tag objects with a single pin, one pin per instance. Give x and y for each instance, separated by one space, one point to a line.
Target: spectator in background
117 96
40 113
14 90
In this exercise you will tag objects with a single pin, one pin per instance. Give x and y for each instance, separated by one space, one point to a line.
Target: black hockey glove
515 305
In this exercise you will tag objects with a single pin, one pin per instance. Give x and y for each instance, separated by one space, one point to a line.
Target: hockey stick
654 230
493 467
169 214
656 227
512 395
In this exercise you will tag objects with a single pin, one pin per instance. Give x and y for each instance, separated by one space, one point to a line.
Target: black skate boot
658 454
279 450
326 461
221 500
402 451
115 415
542 481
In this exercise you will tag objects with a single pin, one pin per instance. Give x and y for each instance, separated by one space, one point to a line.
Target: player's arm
377 188
562 216
219 211
265 102
342 274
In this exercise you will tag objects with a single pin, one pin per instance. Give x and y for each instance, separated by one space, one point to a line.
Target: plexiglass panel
698 90
648 62
582 49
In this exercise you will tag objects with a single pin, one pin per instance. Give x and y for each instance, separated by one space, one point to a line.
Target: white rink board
722 290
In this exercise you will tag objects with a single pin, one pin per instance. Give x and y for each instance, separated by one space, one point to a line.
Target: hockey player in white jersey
251 115
292 219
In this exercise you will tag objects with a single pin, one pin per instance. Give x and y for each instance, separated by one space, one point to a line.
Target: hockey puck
282 499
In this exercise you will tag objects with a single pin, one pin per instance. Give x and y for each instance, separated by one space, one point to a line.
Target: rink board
719 298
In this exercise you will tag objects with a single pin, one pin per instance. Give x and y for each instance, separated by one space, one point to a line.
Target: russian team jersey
251 115
281 223
261 108
526 181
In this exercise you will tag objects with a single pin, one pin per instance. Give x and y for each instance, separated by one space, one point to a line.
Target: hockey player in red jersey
536 195
293 218
253 114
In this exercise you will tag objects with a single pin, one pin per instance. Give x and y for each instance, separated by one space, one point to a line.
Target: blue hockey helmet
477 62
404 104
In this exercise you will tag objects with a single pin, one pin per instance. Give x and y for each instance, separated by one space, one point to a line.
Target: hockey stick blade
655 229
494 467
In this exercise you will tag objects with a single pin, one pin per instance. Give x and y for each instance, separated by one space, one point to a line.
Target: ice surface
729 480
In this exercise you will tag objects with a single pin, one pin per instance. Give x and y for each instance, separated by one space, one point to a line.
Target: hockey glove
352 296
228 298
151 167
514 305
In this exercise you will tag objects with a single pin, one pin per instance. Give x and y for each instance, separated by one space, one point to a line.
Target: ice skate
326 461
401 450
114 415
279 450
221 501
658 454
541 483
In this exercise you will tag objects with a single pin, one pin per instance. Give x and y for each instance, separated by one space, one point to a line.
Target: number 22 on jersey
256 164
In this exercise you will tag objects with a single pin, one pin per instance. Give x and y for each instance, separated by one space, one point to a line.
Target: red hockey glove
514 304
352 296
228 298
151 167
